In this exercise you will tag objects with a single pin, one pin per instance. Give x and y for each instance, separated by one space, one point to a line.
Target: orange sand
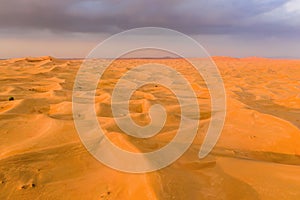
257 156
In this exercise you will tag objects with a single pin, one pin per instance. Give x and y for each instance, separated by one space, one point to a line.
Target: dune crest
32 59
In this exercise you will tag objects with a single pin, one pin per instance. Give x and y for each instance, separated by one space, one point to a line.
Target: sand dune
257 156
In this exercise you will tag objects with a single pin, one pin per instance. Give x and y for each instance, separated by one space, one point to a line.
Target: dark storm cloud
189 16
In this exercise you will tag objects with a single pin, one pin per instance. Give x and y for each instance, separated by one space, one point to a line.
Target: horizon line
162 57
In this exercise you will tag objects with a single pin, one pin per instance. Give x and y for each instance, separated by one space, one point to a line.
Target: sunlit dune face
146 96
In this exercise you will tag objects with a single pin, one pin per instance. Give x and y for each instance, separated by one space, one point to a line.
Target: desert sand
256 157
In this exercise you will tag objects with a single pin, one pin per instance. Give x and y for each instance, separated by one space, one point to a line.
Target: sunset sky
72 28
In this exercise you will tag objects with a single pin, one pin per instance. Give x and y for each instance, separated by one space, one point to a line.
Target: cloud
190 16
69 28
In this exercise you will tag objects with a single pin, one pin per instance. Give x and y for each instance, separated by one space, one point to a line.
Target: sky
72 28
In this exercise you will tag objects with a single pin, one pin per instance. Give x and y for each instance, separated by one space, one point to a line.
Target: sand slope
257 156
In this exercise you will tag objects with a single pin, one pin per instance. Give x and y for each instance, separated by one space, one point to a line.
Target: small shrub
11 98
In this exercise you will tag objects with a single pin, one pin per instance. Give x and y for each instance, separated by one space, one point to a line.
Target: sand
256 157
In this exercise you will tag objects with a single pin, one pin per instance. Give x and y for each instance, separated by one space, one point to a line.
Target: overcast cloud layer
247 19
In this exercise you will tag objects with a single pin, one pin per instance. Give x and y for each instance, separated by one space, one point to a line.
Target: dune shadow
269 107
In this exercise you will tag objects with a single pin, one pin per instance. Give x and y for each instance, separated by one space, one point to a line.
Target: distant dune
257 156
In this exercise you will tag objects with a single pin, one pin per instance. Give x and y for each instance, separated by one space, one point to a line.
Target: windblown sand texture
256 157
